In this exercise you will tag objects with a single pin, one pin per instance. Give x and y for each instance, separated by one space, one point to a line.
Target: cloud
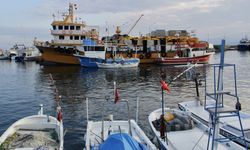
208 17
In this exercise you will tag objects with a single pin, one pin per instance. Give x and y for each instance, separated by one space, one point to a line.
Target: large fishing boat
68 34
159 44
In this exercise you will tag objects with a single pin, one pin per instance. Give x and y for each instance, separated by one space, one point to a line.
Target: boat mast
219 88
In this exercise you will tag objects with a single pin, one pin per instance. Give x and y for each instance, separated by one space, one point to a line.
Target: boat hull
184 60
243 47
4 57
19 58
52 55
119 63
89 62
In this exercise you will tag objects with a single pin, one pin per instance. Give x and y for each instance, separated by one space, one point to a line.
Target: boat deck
228 124
198 141
23 138
111 127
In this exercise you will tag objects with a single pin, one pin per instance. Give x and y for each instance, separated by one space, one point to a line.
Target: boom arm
135 24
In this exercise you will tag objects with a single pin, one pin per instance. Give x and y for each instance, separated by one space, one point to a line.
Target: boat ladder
214 103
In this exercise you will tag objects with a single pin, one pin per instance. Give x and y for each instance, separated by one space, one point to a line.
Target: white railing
70 32
68 42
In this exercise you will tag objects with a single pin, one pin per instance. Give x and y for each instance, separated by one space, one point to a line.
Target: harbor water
23 86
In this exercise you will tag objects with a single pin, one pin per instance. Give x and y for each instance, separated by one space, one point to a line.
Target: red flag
165 86
117 95
59 116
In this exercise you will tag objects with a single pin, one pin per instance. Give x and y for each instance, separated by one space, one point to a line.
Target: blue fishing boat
94 56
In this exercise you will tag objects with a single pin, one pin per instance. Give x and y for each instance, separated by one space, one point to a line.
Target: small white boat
227 121
183 132
36 132
31 54
116 134
118 130
123 63
228 126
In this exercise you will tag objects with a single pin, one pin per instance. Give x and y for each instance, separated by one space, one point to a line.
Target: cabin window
72 27
54 27
66 27
61 37
76 37
78 27
71 37
60 27
82 37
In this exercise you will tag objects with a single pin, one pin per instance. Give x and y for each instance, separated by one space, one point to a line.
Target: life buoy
163 54
141 56
148 55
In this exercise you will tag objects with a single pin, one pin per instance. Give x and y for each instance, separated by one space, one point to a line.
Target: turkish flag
165 86
117 95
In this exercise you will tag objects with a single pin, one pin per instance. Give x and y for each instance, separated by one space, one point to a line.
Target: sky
212 20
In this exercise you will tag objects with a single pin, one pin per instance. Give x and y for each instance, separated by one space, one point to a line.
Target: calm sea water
23 86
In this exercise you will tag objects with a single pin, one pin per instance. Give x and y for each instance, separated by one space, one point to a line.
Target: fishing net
39 140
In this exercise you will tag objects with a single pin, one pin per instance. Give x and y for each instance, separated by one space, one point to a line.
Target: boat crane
135 24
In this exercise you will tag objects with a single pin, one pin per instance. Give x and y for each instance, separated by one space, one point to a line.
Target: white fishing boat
36 132
182 131
31 54
228 126
228 121
116 134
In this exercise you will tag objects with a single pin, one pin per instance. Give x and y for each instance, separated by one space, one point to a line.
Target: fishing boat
186 56
244 44
67 35
90 53
230 122
31 54
182 130
34 132
94 56
116 134
157 44
3 55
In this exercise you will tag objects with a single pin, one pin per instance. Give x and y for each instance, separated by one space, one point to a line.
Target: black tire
129 55
148 55
163 54
141 56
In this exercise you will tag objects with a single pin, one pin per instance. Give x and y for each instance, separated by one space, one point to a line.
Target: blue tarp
121 141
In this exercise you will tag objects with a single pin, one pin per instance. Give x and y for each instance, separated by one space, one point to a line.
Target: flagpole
103 121
162 101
